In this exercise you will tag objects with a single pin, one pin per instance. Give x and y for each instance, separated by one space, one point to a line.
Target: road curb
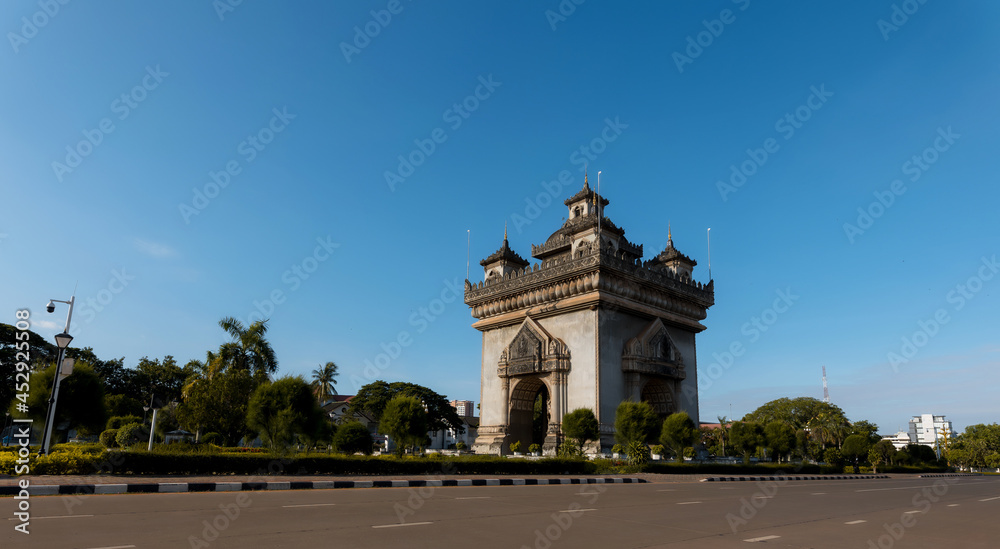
176 487
938 475
796 477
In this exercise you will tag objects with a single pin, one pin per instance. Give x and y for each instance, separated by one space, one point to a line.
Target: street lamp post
62 341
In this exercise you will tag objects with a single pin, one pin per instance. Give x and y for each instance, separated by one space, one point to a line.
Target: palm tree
199 370
324 379
249 349
724 427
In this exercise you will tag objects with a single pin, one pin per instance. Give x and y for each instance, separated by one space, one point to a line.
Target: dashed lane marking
765 538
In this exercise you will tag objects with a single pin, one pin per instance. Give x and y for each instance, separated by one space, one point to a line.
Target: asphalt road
904 513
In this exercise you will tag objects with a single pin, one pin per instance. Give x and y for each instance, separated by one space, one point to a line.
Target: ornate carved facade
589 325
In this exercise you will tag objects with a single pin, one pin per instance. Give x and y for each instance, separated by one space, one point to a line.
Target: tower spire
505 230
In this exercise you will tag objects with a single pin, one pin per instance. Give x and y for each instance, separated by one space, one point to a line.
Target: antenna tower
826 390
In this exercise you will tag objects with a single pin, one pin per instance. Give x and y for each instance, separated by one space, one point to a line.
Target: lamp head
63 339
51 307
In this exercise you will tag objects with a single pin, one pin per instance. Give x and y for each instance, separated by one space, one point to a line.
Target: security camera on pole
63 369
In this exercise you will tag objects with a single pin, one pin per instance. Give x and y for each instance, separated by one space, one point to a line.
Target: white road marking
990 499
402 524
856 522
575 510
687 502
765 538
116 547
310 505
666 490
481 497
819 493
58 516
952 505
912 512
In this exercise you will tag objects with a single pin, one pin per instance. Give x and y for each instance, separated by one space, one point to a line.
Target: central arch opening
529 412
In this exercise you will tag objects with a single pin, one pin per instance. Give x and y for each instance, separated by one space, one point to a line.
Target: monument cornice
592 280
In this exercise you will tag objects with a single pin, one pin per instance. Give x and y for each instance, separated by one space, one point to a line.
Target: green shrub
129 434
461 445
658 449
211 438
617 449
353 437
515 446
109 438
117 422
535 448
637 452
79 447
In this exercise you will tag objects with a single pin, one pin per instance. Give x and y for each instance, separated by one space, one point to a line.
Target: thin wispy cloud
153 249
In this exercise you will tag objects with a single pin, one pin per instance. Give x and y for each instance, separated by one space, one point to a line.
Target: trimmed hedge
774 468
149 463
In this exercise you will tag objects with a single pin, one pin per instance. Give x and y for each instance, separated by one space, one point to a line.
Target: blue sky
119 121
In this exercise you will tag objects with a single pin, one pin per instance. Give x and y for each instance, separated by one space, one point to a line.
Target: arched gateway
591 325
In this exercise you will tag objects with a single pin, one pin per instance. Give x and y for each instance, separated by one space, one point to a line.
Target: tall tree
745 437
724 434
636 422
282 409
164 379
855 448
219 404
405 420
678 432
324 379
779 439
80 404
374 397
581 426
249 350
34 352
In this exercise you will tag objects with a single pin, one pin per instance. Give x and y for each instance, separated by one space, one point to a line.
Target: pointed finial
505 230
669 237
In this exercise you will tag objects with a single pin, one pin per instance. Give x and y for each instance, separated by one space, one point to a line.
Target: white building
899 440
928 429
